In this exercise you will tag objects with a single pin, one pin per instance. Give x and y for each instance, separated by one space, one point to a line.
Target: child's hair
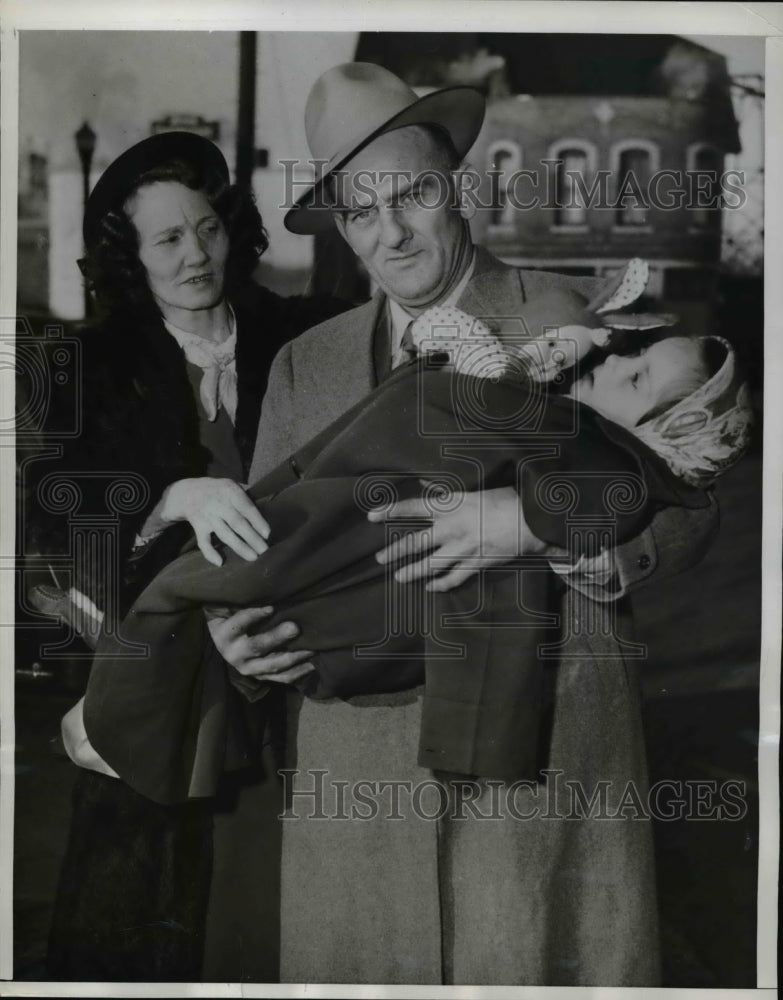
707 359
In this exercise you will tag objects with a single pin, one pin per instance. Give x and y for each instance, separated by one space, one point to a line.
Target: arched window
704 164
573 176
634 161
504 157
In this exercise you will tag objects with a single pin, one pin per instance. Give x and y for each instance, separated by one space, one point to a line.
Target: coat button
644 561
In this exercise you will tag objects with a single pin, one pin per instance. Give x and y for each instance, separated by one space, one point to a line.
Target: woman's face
183 246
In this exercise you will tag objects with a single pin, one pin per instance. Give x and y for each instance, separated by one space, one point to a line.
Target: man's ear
466 184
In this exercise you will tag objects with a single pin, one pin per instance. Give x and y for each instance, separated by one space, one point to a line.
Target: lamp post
85 144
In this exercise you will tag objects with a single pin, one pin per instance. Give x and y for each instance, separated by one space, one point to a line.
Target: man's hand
483 529
220 507
261 654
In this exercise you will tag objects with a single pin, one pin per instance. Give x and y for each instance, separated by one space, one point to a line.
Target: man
393 873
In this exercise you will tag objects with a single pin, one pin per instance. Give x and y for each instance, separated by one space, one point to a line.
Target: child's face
624 389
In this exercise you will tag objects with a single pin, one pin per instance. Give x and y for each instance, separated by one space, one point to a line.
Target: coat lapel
341 370
354 354
341 366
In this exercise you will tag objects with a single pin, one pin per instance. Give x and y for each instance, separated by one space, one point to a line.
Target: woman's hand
217 507
260 655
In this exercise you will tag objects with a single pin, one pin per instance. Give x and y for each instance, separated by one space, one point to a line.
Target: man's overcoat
396 874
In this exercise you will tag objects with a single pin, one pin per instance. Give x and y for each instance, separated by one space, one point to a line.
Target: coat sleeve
676 539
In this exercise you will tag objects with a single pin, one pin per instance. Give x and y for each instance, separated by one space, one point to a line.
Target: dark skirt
132 898
156 893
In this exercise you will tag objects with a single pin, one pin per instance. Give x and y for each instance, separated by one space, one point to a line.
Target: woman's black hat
119 178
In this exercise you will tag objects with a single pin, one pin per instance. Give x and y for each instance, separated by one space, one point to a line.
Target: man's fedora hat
119 179
354 103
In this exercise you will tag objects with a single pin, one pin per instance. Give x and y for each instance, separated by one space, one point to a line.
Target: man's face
398 216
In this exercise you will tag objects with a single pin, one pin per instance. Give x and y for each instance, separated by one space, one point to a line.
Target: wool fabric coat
484 690
417 887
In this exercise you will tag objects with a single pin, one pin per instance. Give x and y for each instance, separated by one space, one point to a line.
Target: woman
172 379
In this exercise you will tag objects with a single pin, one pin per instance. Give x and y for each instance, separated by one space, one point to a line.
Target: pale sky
744 53
120 81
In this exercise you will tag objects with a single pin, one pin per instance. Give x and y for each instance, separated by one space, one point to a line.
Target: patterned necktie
409 350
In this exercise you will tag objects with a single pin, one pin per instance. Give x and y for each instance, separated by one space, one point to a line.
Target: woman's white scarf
217 361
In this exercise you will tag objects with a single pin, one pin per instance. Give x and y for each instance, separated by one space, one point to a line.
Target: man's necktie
408 350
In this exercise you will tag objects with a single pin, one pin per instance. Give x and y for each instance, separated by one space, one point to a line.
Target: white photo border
759 19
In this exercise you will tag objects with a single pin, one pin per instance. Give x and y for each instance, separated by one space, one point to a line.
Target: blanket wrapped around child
163 721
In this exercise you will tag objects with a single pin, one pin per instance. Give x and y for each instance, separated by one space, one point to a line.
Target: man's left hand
479 530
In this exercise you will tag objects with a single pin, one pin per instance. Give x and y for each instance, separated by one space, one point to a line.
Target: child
591 467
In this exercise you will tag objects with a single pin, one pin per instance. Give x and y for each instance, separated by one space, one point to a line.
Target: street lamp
85 144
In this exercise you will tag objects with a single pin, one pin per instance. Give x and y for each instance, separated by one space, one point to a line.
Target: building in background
566 106
742 252
595 148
